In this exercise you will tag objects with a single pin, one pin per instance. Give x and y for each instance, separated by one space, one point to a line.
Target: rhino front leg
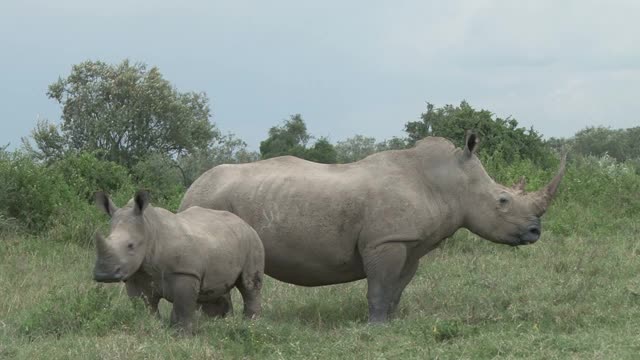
184 290
139 287
405 277
383 266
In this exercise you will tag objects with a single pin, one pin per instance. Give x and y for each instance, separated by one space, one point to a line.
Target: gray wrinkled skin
327 224
192 259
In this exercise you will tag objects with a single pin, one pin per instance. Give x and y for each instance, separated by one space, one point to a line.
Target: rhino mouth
108 277
529 236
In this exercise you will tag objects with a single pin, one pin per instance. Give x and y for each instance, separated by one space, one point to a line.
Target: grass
575 296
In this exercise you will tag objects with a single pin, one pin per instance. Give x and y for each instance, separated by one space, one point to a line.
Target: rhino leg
220 307
405 277
249 286
140 287
383 266
184 290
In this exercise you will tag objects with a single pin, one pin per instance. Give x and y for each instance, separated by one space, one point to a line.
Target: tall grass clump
94 310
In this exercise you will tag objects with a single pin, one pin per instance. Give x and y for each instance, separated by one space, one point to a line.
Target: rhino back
213 246
221 244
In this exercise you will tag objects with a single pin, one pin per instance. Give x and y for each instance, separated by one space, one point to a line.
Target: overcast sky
349 67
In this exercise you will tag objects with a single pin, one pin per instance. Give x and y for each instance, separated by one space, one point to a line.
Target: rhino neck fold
151 236
448 194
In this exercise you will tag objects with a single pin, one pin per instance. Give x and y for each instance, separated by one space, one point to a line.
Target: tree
355 148
52 145
500 137
288 139
225 149
395 143
291 138
322 151
358 147
559 144
127 112
620 144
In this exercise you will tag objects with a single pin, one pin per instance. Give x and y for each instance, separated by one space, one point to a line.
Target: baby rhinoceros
193 258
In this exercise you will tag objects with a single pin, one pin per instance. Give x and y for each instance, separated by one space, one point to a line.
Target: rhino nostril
117 270
534 230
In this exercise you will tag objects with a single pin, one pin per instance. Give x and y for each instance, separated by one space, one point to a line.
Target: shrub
163 178
76 223
30 192
498 136
86 174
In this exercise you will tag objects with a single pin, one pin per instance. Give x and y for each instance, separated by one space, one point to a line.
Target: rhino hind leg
220 307
384 266
250 285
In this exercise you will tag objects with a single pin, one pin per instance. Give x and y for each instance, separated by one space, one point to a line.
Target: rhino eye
130 246
503 201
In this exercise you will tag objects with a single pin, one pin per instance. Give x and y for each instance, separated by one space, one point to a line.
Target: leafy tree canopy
621 144
126 111
499 136
355 148
291 138
358 147
322 151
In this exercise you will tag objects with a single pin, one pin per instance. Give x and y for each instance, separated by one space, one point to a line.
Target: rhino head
121 254
501 214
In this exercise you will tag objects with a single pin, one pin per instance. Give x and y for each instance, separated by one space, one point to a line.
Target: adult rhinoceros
328 224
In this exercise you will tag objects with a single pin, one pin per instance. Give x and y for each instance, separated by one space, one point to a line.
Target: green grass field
575 297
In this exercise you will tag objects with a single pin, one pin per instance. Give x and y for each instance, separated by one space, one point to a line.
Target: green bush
76 223
509 172
163 178
29 192
498 136
8 225
57 199
86 174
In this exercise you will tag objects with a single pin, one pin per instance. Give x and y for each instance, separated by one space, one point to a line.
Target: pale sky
349 67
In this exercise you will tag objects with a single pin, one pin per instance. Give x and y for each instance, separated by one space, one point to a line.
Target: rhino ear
142 200
470 143
104 203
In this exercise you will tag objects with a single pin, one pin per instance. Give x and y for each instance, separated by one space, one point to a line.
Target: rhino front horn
546 194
